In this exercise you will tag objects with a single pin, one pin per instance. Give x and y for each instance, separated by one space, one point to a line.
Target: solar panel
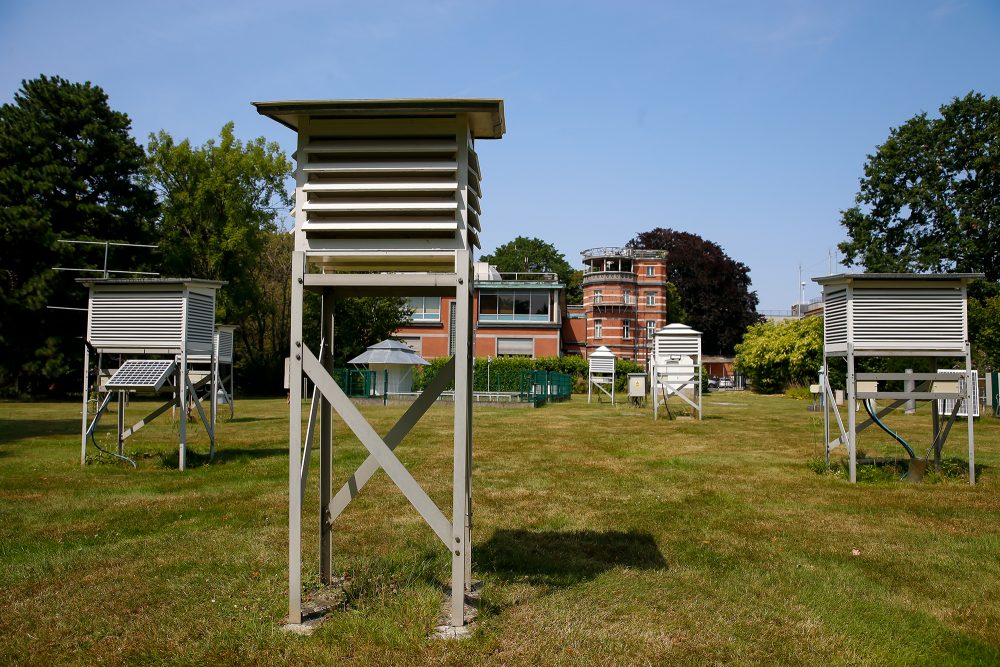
142 374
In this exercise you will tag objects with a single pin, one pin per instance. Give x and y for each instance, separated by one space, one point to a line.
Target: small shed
602 373
392 362
675 366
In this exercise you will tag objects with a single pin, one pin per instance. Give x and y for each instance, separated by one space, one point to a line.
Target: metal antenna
105 272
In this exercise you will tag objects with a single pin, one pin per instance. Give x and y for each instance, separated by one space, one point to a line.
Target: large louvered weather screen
132 319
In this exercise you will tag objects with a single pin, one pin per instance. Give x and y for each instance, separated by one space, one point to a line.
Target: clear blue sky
747 123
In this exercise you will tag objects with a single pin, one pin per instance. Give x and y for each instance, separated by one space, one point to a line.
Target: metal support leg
825 393
970 408
121 422
295 444
326 450
86 405
214 408
182 397
463 304
852 416
936 431
468 453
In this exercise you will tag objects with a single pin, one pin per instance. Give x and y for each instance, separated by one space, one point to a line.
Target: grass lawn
601 537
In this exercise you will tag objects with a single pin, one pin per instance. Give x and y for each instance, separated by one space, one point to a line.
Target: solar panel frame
149 374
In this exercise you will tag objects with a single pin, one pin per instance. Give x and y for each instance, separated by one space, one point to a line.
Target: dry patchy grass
602 537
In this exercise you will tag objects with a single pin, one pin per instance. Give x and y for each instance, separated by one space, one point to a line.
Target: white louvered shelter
387 203
224 367
172 317
675 367
601 374
151 316
224 334
896 315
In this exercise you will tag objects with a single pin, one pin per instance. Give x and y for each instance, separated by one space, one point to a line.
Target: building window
650 271
511 306
425 308
628 297
650 298
515 347
597 296
626 333
650 329
598 328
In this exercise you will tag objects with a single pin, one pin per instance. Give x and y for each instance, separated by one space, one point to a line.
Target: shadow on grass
18 429
223 455
565 558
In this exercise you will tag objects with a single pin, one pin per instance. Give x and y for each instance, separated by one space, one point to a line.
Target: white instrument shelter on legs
601 374
675 367
387 203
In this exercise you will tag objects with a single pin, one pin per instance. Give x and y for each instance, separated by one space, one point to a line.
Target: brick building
624 302
516 314
525 314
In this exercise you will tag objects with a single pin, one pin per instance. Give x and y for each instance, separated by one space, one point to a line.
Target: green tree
222 206
775 356
984 332
930 196
714 289
532 255
68 170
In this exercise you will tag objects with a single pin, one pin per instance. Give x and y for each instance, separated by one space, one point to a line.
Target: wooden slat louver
135 320
224 345
908 318
200 322
835 318
380 185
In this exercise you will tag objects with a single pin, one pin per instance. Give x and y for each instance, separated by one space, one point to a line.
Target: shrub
773 356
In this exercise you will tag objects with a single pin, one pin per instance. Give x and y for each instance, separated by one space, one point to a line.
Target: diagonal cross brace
377 447
392 439
204 419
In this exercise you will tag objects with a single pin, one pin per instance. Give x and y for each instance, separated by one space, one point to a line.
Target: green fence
355 381
539 387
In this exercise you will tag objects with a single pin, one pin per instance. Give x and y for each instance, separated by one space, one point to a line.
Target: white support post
826 392
214 408
121 422
459 523
182 382
852 417
326 448
86 405
970 409
295 444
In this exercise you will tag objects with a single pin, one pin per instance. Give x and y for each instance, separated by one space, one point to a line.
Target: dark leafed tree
532 255
69 169
930 196
714 289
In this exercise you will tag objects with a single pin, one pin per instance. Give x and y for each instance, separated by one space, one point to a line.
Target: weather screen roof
389 352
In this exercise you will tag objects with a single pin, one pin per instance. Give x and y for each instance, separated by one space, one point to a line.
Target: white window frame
598 329
419 314
626 329
650 298
650 271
